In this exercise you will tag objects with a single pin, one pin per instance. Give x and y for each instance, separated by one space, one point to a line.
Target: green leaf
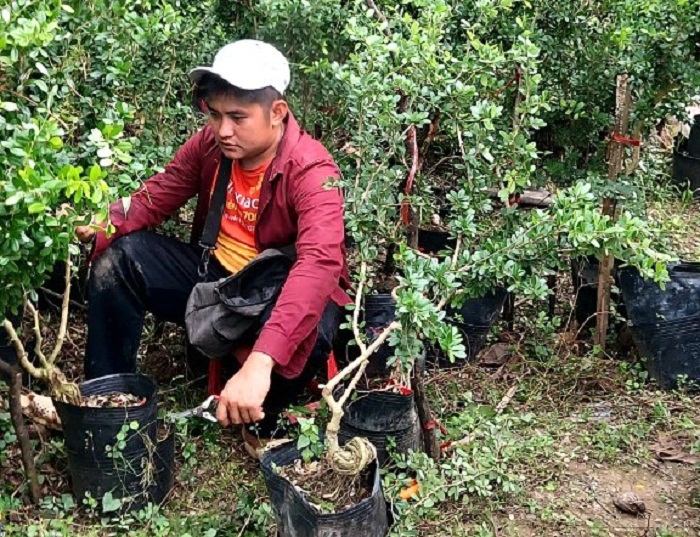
110 504
303 441
12 200
36 207
10 107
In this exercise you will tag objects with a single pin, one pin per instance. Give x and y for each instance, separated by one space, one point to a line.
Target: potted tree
389 108
46 193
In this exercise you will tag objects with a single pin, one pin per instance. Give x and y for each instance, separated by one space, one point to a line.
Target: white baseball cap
248 64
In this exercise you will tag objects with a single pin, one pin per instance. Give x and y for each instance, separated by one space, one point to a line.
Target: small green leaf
110 504
36 207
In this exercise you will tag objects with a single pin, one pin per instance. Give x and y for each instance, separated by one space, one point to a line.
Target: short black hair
211 86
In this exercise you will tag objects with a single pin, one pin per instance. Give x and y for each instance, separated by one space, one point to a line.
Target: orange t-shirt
235 246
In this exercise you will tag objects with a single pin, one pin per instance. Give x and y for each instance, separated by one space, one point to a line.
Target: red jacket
295 206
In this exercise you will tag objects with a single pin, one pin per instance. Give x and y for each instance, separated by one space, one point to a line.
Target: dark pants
145 272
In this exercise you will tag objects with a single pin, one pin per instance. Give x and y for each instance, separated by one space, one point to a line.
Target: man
279 193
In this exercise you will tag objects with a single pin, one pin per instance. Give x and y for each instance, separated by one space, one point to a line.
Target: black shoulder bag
224 313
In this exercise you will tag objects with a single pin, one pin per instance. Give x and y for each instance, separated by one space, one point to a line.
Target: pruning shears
207 411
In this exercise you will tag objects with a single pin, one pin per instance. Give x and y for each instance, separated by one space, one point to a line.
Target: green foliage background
94 99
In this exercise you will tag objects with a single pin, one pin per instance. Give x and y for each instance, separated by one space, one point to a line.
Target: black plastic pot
584 273
474 320
297 518
7 349
433 242
138 472
379 416
686 171
694 138
666 322
379 312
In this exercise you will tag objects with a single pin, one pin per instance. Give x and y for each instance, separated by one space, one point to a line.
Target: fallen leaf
411 491
496 355
671 450
629 502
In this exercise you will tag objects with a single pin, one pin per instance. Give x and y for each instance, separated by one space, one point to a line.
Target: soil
112 400
326 490
589 491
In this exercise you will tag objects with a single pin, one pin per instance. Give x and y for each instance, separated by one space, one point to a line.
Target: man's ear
278 112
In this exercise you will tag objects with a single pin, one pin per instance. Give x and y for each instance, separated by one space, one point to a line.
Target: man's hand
242 398
85 233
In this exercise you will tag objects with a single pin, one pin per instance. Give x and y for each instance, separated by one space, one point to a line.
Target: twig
432 131
54 294
506 399
455 257
377 13
461 442
430 441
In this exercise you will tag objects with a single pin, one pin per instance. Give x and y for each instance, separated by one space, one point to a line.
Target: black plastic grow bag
382 417
434 242
686 171
666 322
379 312
8 353
297 518
693 144
139 472
474 320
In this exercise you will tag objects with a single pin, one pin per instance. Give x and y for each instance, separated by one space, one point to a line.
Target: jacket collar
292 133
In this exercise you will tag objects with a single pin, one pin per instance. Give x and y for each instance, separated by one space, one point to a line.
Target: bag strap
212 224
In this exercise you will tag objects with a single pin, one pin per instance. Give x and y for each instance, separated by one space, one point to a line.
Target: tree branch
356 313
377 13
22 434
5 368
22 358
37 335
64 315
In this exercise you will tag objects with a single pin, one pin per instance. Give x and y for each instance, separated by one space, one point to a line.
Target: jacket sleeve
159 197
319 263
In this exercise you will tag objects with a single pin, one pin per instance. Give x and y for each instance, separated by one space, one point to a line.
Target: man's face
242 130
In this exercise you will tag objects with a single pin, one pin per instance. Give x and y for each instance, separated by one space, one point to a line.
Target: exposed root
354 457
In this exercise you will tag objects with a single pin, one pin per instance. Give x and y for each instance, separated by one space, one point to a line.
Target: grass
578 430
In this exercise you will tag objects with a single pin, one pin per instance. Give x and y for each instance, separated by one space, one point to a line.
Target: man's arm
315 274
160 197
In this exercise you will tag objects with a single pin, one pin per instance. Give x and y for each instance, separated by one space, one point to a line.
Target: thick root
354 457
62 390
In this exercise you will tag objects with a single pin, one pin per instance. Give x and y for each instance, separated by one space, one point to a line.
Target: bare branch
357 362
455 257
356 313
64 315
21 353
377 13
5 368
23 434
37 335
